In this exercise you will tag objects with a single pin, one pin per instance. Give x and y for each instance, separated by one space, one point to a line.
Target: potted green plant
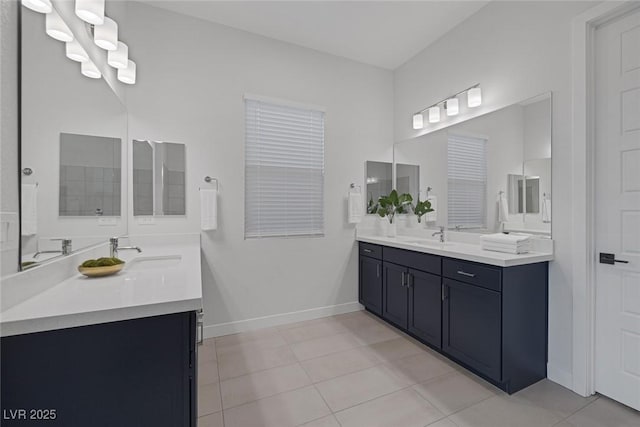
389 206
422 208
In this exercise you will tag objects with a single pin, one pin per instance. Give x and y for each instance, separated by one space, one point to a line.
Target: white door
617 212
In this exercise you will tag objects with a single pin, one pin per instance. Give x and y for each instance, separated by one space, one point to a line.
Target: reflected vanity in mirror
158 178
72 143
490 173
379 179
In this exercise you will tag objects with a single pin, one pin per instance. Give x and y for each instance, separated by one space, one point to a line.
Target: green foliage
372 207
389 206
422 208
102 262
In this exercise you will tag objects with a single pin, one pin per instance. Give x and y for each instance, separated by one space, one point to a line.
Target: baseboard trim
221 329
560 376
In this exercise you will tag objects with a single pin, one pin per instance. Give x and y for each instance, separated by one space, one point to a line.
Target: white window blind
467 181
284 170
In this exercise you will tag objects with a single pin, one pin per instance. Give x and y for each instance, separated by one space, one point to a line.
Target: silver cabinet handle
367 250
410 280
464 273
378 271
201 327
403 284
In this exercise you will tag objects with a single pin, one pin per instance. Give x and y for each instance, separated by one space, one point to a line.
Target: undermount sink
153 262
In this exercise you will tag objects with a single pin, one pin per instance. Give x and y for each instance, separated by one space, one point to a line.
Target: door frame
583 177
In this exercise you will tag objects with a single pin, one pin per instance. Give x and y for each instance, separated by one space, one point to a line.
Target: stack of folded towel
509 243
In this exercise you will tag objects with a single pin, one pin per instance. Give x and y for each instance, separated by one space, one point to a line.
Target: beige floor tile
307 323
604 412
212 420
395 349
375 333
498 411
239 390
311 331
552 397
337 364
453 392
358 320
324 345
288 409
403 408
206 353
242 362
255 342
328 421
209 399
207 373
352 389
420 367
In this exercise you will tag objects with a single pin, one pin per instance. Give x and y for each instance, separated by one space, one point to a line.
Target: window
467 181
284 170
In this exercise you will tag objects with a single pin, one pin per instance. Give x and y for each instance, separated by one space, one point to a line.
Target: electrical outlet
107 221
146 220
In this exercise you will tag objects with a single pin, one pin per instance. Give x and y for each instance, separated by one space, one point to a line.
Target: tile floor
353 370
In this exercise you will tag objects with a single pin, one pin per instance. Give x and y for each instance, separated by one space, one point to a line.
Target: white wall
192 78
515 50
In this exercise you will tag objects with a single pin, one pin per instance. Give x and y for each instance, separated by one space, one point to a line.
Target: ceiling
381 33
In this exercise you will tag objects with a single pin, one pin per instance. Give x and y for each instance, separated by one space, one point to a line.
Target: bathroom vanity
485 310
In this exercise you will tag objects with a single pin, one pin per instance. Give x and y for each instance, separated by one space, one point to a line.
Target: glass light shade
42 6
90 70
434 114
452 106
119 58
91 11
57 28
128 75
418 121
474 97
106 35
76 52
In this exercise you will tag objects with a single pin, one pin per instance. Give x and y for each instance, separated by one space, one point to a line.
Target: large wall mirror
379 182
487 174
74 131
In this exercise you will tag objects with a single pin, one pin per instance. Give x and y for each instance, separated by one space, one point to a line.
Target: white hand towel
208 209
505 238
432 216
29 209
546 210
356 207
503 208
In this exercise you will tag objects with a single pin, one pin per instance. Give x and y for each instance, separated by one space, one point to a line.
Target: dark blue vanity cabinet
492 320
139 372
370 277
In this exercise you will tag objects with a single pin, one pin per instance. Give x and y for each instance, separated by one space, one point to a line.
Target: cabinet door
425 306
472 326
371 284
394 294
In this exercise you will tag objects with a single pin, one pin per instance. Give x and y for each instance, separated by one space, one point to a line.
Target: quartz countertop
458 250
146 286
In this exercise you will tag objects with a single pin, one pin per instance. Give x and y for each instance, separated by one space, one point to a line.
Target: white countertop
458 250
132 293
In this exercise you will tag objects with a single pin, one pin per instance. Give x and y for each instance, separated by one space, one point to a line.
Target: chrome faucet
441 233
65 250
114 248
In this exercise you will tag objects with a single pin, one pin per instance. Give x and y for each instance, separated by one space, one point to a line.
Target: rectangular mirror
489 173
159 170
379 179
408 179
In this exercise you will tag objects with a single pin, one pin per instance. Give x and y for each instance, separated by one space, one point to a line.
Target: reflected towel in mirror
29 209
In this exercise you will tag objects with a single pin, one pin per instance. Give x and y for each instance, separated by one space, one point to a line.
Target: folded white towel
208 209
356 207
505 238
506 249
506 246
503 208
432 216
29 209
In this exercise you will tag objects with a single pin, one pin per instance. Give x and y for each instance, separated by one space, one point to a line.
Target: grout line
597 396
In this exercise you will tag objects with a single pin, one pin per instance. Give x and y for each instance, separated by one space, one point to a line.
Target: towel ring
354 186
208 180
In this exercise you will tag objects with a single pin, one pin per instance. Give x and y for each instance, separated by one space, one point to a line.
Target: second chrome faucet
114 247
441 233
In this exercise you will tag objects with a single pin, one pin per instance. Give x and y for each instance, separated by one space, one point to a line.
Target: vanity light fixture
91 11
119 58
42 6
451 105
89 69
418 121
128 75
106 35
56 27
76 52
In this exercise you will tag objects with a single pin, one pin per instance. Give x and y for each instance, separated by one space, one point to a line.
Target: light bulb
91 11
418 121
119 58
128 75
90 70
452 106
57 28
434 114
42 6
474 97
106 35
76 52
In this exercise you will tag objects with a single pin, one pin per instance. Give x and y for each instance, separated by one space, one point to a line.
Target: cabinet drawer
475 274
370 250
417 260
